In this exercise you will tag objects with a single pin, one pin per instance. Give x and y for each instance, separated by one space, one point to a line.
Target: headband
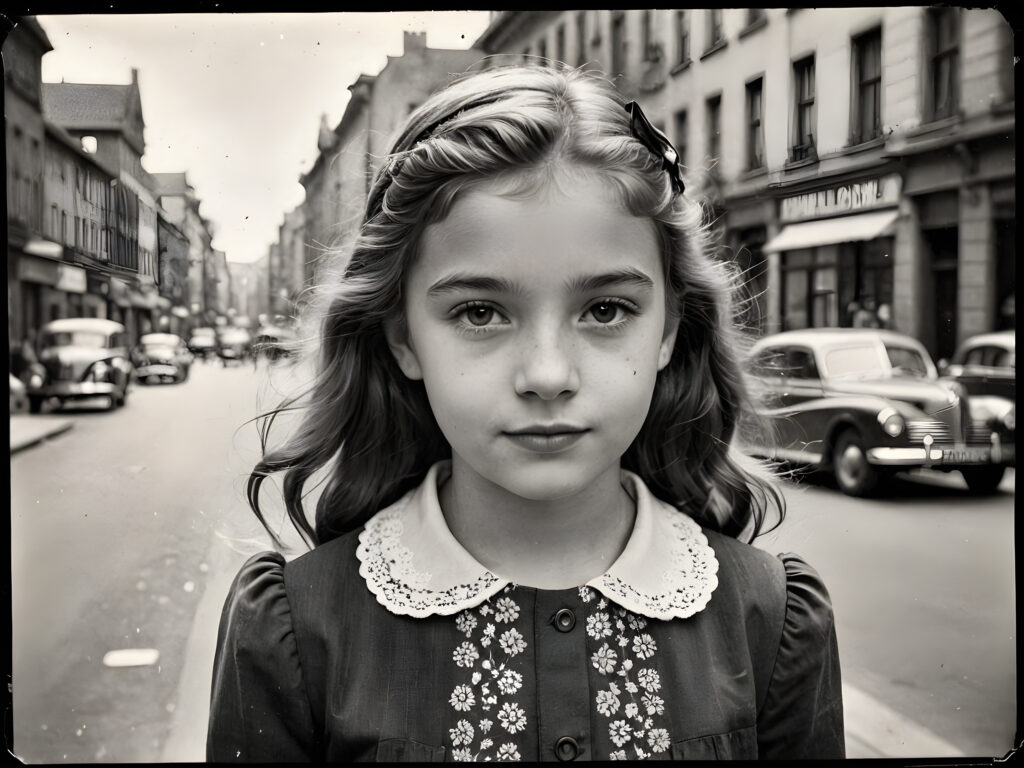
640 127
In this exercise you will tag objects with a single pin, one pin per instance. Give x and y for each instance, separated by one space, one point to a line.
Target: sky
235 100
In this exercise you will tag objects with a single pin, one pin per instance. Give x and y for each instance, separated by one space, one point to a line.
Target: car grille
918 428
59 372
979 432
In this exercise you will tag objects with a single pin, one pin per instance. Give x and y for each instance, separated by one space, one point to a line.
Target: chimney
414 41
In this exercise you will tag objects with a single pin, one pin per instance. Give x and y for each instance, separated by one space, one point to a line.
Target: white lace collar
415 566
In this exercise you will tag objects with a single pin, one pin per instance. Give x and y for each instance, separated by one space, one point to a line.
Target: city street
127 530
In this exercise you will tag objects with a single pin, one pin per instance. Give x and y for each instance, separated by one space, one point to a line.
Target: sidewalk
28 430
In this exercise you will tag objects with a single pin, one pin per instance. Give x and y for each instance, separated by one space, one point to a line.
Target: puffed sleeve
802 714
259 710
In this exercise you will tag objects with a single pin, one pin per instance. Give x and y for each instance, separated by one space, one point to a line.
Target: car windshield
907 362
860 361
91 339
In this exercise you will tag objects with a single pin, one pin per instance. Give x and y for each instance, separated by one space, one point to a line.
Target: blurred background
859 164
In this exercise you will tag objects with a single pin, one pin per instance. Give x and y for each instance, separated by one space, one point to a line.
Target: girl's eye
480 315
605 311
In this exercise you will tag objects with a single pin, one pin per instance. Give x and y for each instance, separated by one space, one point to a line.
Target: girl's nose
547 368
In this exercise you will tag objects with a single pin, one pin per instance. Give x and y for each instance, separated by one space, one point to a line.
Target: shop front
833 257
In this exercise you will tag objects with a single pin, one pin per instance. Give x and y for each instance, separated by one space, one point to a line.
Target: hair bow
658 143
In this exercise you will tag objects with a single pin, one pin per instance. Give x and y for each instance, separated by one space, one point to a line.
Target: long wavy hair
371 430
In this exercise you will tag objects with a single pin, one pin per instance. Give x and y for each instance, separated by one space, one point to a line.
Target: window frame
715 28
799 148
682 37
713 106
937 54
755 125
681 116
581 38
860 47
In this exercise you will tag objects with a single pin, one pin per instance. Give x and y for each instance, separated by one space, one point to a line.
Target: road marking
871 726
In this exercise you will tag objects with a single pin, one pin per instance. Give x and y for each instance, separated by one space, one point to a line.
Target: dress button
566 748
565 620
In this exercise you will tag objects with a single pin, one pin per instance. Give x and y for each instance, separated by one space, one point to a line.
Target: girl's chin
542 481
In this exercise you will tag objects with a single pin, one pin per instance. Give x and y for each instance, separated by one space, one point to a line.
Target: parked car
233 344
203 342
19 395
985 365
80 357
273 341
161 357
865 403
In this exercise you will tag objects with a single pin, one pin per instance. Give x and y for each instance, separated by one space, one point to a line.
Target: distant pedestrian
528 541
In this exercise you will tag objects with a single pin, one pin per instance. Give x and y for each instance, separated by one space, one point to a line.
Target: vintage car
161 357
985 365
233 344
203 342
865 403
80 357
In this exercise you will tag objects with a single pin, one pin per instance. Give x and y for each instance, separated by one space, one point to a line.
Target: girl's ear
396 331
668 341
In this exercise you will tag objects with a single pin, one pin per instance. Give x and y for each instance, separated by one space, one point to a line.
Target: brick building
856 154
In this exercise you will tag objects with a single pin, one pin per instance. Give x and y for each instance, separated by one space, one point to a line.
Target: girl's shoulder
784 586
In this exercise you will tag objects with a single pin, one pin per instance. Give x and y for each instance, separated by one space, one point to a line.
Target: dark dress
314 663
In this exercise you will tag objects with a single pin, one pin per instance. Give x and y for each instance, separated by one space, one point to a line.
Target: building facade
249 288
859 157
33 260
108 121
337 184
172 262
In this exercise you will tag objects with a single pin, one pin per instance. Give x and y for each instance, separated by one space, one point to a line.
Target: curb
21 443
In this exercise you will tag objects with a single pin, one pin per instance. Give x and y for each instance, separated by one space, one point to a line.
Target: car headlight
99 371
892 422
1010 419
35 380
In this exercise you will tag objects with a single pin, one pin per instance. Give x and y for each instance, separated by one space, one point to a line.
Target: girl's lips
546 442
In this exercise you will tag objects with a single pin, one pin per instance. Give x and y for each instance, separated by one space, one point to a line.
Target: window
78 224
945 53
715 35
542 49
681 131
89 144
755 131
754 15
581 38
683 36
64 227
867 71
650 54
560 42
714 120
806 116
618 42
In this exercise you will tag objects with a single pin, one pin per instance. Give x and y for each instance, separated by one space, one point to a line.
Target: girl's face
538 327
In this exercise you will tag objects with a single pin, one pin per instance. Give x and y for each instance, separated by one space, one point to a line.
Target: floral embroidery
604 659
628 699
491 677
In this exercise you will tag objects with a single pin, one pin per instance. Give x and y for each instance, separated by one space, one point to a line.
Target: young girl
527 546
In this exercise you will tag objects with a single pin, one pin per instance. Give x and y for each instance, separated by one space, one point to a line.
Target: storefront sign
34 270
70 279
856 196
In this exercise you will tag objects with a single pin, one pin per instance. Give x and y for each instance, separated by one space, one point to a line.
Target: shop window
683 37
1006 273
867 92
753 271
809 289
943 247
755 130
806 114
944 29
682 132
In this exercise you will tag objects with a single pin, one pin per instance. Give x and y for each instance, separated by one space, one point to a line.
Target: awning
843 229
38 246
179 312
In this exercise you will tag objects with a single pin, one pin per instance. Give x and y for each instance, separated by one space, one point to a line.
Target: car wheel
853 473
35 403
983 480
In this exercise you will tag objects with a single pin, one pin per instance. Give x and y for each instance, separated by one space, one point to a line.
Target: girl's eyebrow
581 284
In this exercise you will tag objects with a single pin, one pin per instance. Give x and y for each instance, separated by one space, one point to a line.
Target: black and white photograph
554 385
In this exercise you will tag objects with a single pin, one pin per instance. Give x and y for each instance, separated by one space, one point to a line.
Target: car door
989 370
785 377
